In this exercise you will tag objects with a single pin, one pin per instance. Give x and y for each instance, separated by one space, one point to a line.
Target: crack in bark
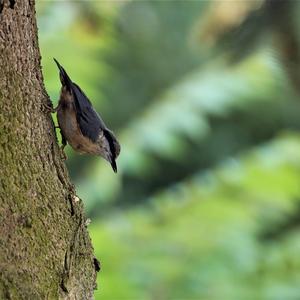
63 287
12 4
1 5
65 275
70 256
59 171
71 204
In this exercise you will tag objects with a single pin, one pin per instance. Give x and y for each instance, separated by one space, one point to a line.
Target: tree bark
45 250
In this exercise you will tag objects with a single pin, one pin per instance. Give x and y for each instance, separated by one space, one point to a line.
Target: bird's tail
64 77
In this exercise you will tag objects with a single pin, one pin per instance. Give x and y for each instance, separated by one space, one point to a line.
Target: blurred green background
205 99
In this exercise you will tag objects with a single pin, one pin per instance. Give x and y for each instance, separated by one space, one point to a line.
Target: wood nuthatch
80 125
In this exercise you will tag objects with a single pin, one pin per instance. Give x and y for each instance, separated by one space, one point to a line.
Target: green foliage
206 236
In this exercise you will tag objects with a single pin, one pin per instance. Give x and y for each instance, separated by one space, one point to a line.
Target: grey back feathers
89 121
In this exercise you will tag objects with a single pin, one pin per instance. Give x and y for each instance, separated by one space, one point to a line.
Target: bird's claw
49 108
63 154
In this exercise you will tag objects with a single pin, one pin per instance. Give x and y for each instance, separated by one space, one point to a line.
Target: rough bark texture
45 250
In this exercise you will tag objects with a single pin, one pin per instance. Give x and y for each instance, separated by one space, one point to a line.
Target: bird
80 125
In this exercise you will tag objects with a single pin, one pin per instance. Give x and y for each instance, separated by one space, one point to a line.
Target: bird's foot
49 108
63 154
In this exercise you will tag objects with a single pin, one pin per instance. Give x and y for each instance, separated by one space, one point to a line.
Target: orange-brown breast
67 121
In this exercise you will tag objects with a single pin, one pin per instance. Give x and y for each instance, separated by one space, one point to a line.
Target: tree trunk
45 250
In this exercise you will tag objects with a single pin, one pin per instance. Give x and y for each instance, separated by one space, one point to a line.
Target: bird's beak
114 166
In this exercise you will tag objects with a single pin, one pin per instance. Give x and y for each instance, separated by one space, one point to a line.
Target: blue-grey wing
89 121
